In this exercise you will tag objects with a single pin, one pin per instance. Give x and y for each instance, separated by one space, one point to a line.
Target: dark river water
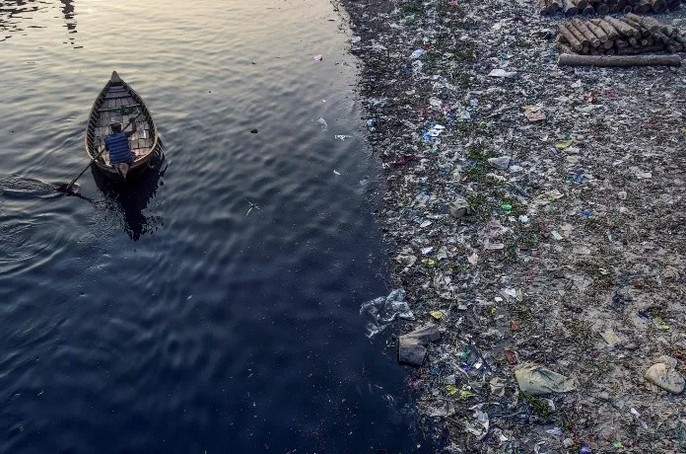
168 317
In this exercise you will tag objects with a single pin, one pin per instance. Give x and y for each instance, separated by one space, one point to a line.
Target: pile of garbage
534 217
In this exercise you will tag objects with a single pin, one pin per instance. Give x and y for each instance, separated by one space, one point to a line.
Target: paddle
67 188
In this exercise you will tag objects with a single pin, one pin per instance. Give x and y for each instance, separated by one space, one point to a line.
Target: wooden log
570 38
602 8
565 49
652 25
670 44
548 7
658 6
618 61
588 34
610 51
623 28
577 34
661 37
646 22
569 8
643 7
621 43
642 30
597 31
589 10
608 44
581 4
640 50
611 32
633 41
628 9
670 30
543 7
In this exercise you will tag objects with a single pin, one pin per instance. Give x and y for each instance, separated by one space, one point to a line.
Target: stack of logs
602 7
631 35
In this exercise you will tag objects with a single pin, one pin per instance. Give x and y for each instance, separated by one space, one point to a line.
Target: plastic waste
433 133
562 144
459 208
585 449
501 162
479 426
384 310
537 380
501 73
412 347
534 113
665 375
419 53
322 124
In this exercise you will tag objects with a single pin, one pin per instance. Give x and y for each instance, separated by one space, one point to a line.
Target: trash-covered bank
535 220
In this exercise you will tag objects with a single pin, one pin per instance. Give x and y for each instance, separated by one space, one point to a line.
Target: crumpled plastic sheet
384 310
480 424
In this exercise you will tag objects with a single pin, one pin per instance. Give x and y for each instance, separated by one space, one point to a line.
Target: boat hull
117 101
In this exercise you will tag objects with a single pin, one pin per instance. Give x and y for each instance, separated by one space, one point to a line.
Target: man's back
118 146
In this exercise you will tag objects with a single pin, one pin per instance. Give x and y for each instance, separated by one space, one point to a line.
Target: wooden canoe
119 102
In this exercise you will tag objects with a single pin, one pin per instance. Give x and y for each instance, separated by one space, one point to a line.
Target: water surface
168 316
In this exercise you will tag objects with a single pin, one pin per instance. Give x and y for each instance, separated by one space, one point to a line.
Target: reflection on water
15 13
69 21
130 201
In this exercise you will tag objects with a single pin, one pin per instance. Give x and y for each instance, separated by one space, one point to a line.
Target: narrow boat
118 102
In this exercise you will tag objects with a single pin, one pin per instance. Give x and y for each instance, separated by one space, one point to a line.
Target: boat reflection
131 200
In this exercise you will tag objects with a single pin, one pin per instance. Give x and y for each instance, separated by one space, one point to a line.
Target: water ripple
169 315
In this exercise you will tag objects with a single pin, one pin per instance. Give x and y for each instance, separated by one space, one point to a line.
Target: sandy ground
571 255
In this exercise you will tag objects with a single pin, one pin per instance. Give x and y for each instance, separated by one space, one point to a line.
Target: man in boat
117 144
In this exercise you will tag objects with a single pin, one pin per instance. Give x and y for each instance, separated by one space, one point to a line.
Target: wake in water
19 187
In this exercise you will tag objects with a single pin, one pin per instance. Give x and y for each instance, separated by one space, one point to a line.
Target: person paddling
117 144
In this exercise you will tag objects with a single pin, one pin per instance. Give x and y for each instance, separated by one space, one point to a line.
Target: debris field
534 216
